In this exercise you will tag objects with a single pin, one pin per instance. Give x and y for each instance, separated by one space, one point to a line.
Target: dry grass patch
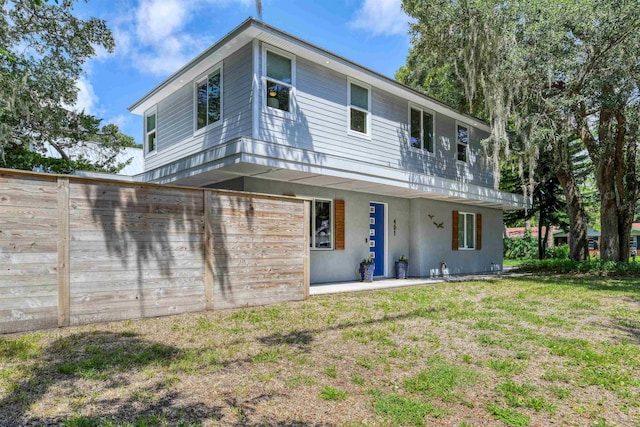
517 352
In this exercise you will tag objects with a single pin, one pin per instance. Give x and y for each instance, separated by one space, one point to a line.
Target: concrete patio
386 283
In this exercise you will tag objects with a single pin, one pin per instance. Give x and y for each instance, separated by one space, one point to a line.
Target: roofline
252 22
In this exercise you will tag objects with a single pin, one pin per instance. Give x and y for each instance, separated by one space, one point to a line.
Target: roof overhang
253 29
246 157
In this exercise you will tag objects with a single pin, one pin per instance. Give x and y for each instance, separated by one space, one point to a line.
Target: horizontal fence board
152 284
20 258
78 275
17 302
33 291
256 297
102 236
28 245
26 319
126 313
127 225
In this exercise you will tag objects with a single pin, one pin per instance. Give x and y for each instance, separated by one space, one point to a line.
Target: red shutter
478 232
338 216
454 237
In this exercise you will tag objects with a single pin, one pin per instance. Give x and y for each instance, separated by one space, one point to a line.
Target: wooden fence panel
257 247
127 271
80 250
28 253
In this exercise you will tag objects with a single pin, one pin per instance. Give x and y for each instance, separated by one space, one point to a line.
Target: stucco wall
426 245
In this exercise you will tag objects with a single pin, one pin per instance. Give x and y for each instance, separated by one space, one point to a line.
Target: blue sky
156 37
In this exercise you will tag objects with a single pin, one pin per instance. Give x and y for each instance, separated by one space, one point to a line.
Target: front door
376 236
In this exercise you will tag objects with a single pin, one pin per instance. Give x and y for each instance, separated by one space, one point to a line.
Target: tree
556 71
42 49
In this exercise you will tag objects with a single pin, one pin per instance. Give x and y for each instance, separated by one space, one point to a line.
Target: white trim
313 222
422 110
292 91
474 231
256 88
386 236
468 127
205 76
369 116
151 111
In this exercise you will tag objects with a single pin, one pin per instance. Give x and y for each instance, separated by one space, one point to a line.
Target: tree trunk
578 243
541 242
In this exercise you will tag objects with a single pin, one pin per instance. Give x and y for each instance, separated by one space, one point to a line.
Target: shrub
594 267
520 247
558 252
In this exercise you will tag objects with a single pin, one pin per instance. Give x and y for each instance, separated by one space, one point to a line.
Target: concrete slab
338 287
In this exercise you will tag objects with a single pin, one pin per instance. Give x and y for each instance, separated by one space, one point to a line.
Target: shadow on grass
302 339
111 358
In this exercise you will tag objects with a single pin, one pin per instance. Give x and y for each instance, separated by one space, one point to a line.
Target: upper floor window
462 133
421 129
209 99
359 108
150 131
279 81
321 224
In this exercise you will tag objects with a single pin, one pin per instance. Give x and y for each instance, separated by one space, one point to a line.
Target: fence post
63 252
307 231
208 251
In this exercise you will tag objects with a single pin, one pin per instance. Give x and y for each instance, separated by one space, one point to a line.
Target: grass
539 350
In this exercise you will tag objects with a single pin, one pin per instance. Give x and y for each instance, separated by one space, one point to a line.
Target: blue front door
376 236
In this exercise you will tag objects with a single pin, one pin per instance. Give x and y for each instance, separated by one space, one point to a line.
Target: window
466 230
463 142
359 108
421 129
209 99
279 81
150 131
321 224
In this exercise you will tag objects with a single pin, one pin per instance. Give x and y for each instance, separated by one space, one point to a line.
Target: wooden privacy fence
77 250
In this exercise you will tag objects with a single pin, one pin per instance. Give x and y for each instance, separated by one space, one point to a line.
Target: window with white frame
279 81
421 129
209 99
466 230
321 224
150 131
359 108
462 134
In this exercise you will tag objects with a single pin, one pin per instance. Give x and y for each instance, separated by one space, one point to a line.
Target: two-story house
388 170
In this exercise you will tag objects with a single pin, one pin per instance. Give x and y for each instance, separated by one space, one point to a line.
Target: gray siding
320 124
176 114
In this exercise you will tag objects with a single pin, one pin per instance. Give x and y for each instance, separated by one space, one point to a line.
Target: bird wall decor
437 224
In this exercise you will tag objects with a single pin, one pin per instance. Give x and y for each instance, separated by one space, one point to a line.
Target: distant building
89 151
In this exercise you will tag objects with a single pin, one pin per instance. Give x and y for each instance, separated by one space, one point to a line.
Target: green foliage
332 393
558 252
567 266
403 411
520 247
441 379
43 47
510 417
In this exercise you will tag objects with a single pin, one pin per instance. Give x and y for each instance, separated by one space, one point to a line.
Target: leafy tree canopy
43 47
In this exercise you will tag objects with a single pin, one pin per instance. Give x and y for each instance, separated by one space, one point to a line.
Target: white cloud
381 17
155 36
87 98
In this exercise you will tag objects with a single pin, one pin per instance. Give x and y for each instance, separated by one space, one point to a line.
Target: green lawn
528 351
